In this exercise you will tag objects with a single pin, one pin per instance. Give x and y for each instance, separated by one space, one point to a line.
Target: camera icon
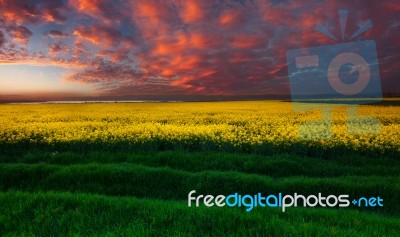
343 73
335 75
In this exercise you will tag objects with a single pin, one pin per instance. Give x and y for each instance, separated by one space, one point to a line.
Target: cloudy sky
64 48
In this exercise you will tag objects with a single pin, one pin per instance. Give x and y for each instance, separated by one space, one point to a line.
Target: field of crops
125 169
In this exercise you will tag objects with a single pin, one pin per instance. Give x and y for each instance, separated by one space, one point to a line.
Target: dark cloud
3 39
33 12
20 34
58 48
104 72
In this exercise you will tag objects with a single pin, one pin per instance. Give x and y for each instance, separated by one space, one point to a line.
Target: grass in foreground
143 194
55 214
161 177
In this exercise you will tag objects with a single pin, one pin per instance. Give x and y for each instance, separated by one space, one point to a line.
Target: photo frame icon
326 76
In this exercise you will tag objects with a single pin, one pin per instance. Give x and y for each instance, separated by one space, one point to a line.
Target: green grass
46 193
280 165
166 183
58 213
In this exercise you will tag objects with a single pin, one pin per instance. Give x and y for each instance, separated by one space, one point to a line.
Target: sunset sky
77 48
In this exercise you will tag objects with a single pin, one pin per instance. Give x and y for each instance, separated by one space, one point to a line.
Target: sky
98 48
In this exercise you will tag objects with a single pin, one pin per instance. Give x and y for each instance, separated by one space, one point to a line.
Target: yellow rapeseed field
237 123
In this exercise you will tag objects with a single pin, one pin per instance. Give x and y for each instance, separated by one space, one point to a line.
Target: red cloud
21 11
229 17
58 48
97 34
90 7
192 11
392 6
153 13
250 41
20 34
105 12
